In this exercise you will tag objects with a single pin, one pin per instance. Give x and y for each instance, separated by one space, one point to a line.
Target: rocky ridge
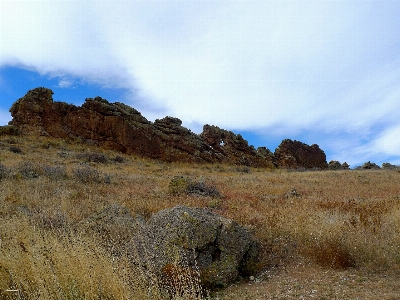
119 127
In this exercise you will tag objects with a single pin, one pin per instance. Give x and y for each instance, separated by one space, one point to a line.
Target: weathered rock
113 226
294 155
236 148
345 166
119 127
389 166
335 165
197 238
369 165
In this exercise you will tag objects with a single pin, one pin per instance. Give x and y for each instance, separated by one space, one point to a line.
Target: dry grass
336 237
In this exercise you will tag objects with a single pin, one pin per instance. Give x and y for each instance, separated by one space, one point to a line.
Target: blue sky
324 72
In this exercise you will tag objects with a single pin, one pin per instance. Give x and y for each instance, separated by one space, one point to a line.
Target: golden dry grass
337 225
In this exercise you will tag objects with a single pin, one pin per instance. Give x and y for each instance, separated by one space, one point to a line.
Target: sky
321 72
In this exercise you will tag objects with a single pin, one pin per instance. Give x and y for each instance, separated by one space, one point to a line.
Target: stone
197 239
295 155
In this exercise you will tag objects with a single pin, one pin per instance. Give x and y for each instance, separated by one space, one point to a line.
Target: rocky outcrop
233 145
196 238
294 155
119 127
368 166
335 165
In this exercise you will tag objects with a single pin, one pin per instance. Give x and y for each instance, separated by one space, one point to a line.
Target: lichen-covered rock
294 155
197 238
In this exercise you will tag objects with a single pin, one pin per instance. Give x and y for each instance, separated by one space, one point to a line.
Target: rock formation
197 238
294 155
120 127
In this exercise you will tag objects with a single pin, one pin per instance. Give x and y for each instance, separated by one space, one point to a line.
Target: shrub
55 172
119 159
9 130
15 149
87 174
202 189
4 171
93 157
178 185
182 185
29 170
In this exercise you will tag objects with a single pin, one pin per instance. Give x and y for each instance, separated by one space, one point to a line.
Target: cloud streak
280 67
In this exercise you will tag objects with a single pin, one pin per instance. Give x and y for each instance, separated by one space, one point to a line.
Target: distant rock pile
120 127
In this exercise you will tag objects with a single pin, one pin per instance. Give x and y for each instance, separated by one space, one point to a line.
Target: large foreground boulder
196 239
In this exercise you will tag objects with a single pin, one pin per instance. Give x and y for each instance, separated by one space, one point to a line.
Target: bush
4 171
202 189
15 150
119 159
87 174
182 185
55 172
29 170
93 157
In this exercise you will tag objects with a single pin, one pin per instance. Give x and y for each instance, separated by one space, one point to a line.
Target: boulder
197 239
295 155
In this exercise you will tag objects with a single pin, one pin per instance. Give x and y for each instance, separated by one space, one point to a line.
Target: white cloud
5 117
326 67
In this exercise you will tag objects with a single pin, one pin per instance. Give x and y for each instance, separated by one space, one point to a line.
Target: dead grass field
325 234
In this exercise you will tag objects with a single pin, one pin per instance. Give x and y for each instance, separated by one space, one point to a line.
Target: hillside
324 234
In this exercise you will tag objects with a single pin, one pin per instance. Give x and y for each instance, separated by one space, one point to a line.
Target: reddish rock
120 127
236 148
294 155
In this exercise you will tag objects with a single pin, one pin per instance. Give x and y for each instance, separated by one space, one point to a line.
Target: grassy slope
338 236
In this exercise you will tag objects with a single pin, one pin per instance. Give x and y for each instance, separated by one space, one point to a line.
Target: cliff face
120 127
